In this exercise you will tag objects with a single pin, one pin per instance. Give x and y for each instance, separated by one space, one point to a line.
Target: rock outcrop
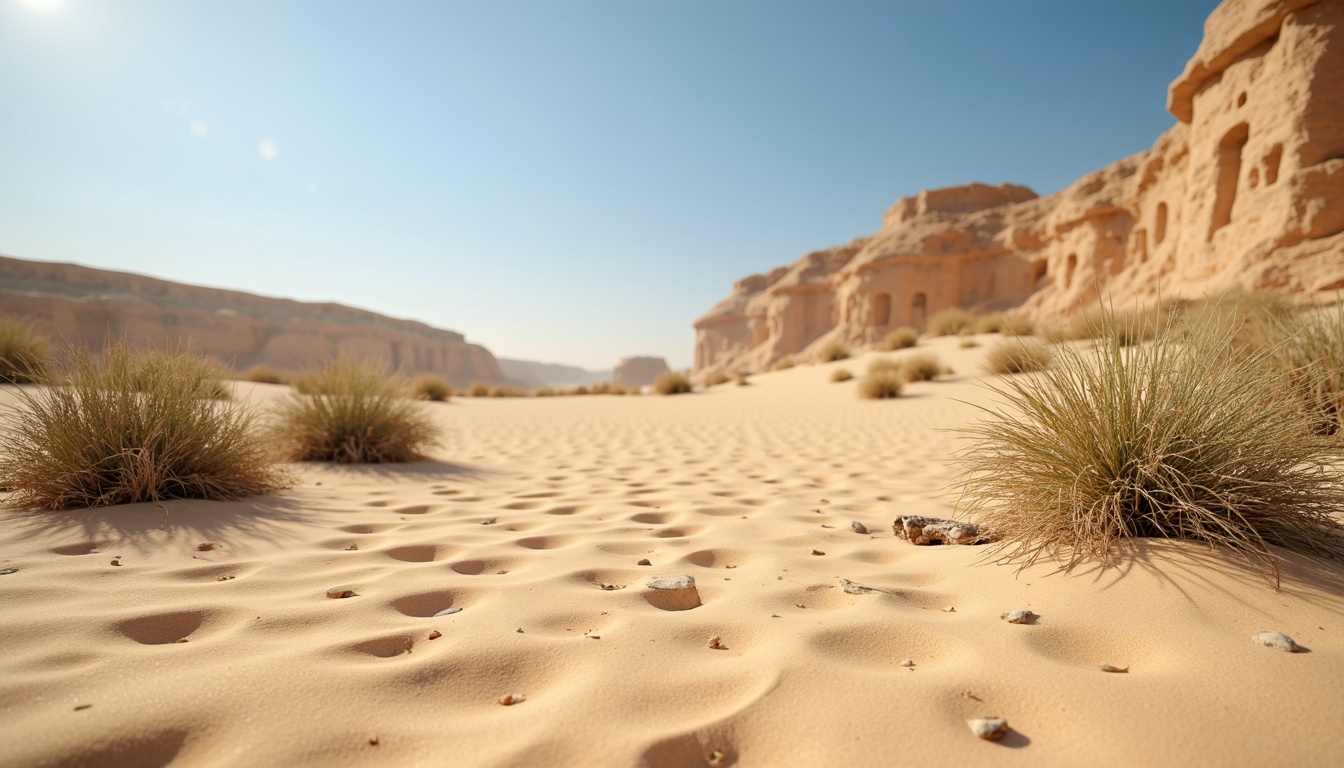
1246 190
85 305
639 371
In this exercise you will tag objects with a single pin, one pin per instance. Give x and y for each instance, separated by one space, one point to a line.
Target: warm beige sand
538 503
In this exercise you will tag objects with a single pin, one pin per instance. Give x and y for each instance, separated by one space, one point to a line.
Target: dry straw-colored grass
950 322
902 337
25 354
784 364
1310 355
832 352
263 374
351 412
1018 355
922 366
716 378
743 381
840 374
112 433
672 383
151 366
882 384
430 386
1008 325
1174 439
478 389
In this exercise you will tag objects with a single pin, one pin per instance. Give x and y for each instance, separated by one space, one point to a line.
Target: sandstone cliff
86 305
1246 190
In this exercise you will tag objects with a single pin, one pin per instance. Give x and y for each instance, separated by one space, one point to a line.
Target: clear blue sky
560 181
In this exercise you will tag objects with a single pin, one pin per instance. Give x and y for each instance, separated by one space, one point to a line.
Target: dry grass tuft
950 322
1177 439
350 412
263 374
743 381
25 354
1019 355
671 383
922 366
833 352
207 374
882 383
478 389
840 374
784 364
1310 356
429 386
543 392
902 337
126 431
716 378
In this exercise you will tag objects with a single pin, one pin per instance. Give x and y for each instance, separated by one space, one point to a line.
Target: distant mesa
1246 190
537 375
639 371
89 306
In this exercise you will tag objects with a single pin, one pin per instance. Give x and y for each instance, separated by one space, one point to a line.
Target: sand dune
533 524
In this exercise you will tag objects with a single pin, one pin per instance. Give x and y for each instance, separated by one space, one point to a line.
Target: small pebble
1113 668
180 640
907 662
1020 616
7 571
373 741
611 587
716 642
205 546
716 759
338 592
988 728
857 527
352 548
519 630
818 552
116 562
435 635
593 637
491 521
509 699
224 578
500 573
82 707
447 612
950 609
1276 640
645 561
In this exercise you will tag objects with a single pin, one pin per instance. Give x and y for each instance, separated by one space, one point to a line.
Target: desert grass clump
950 322
208 374
1020 355
882 383
110 435
991 323
671 383
543 392
716 378
429 386
1310 356
25 354
1177 439
351 412
743 381
784 364
263 374
832 352
1129 327
840 374
478 389
922 366
901 338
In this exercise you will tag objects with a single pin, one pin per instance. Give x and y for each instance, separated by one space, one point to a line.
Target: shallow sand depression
533 524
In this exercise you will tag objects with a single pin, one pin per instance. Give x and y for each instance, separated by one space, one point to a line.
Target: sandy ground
538 506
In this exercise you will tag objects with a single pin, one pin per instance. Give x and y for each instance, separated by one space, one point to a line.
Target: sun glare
41 5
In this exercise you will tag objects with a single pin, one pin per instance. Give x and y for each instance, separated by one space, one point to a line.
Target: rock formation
535 375
1246 190
89 306
639 371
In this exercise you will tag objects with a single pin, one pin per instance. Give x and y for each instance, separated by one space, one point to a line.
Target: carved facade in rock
1246 190
89 306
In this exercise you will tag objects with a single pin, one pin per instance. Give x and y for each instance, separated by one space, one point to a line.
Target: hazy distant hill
530 374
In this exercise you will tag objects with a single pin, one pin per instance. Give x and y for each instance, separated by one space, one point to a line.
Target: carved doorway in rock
919 309
880 314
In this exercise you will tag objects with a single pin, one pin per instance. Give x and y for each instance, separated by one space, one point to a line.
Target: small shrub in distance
832 352
544 392
840 374
902 337
1020 355
882 384
263 374
784 364
1177 439
478 389
671 383
25 354
950 322
109 435
884 364
743 381
1016 325
922 366
716 378
991 323
353 413
429 386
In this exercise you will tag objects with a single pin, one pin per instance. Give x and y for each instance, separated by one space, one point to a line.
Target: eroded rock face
639 371
1246 190
85 305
